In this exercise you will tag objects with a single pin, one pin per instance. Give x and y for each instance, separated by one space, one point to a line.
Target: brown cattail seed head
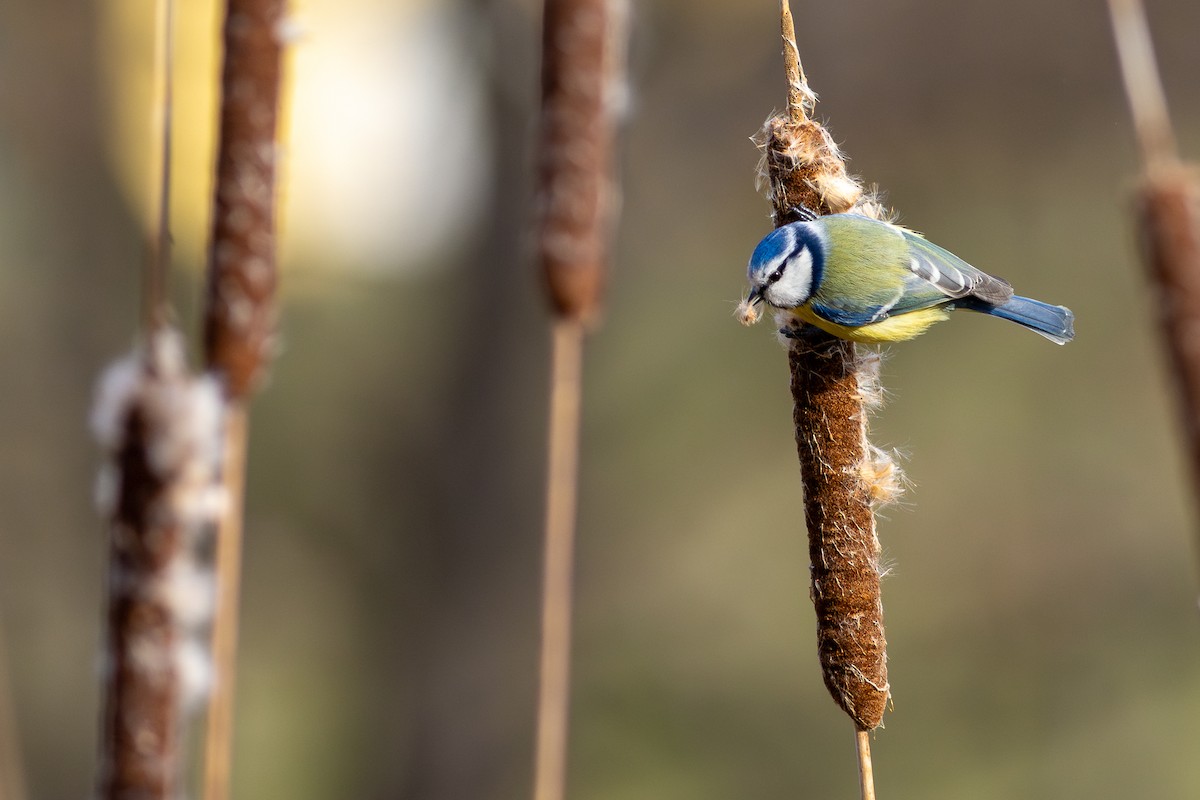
844 476
240 311
160 428
1169 217
583 47
803 166
843 548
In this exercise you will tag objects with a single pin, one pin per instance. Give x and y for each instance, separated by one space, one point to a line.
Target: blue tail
1056 323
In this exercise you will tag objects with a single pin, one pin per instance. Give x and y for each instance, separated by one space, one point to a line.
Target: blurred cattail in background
1167 218
240 311
160 429
583 70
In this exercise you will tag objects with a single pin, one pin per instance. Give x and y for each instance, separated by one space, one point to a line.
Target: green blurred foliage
1041 608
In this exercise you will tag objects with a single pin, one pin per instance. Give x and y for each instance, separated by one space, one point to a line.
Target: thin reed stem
156 274
800 97
866 773
218 743
1143 87
562 490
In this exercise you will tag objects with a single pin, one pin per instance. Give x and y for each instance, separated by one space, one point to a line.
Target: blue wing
950 274
884 270
911 294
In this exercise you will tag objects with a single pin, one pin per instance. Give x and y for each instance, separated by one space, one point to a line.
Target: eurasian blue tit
870 281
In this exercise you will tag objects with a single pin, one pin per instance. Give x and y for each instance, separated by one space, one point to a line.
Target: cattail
804 167
160 429
1167 216
583 48
159 490
240 309
582 85
833 385
843 481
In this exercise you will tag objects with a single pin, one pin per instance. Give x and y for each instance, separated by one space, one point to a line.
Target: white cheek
795 287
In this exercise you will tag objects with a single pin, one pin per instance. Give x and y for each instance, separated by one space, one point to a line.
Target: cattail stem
829 383
218 743
154 291
866 773
800 97
562 490
1143 88
239 325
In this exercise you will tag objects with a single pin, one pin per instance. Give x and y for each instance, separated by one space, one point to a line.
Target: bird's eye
775 276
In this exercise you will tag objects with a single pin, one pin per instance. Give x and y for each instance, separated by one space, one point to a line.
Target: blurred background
1041 607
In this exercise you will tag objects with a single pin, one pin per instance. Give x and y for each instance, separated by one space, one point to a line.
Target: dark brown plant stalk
582 65
240 316
1168 217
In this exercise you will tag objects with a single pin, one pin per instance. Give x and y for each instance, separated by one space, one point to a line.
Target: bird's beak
755 297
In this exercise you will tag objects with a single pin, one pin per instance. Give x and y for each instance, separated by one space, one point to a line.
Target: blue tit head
786 266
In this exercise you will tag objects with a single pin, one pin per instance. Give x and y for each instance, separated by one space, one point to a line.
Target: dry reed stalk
582 66
866 772
218 741
1168 216
239 326
554 689
832 382
155 276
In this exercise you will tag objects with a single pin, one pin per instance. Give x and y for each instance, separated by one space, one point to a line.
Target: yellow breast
892 329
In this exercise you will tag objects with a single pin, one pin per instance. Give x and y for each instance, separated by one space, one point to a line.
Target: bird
871 281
